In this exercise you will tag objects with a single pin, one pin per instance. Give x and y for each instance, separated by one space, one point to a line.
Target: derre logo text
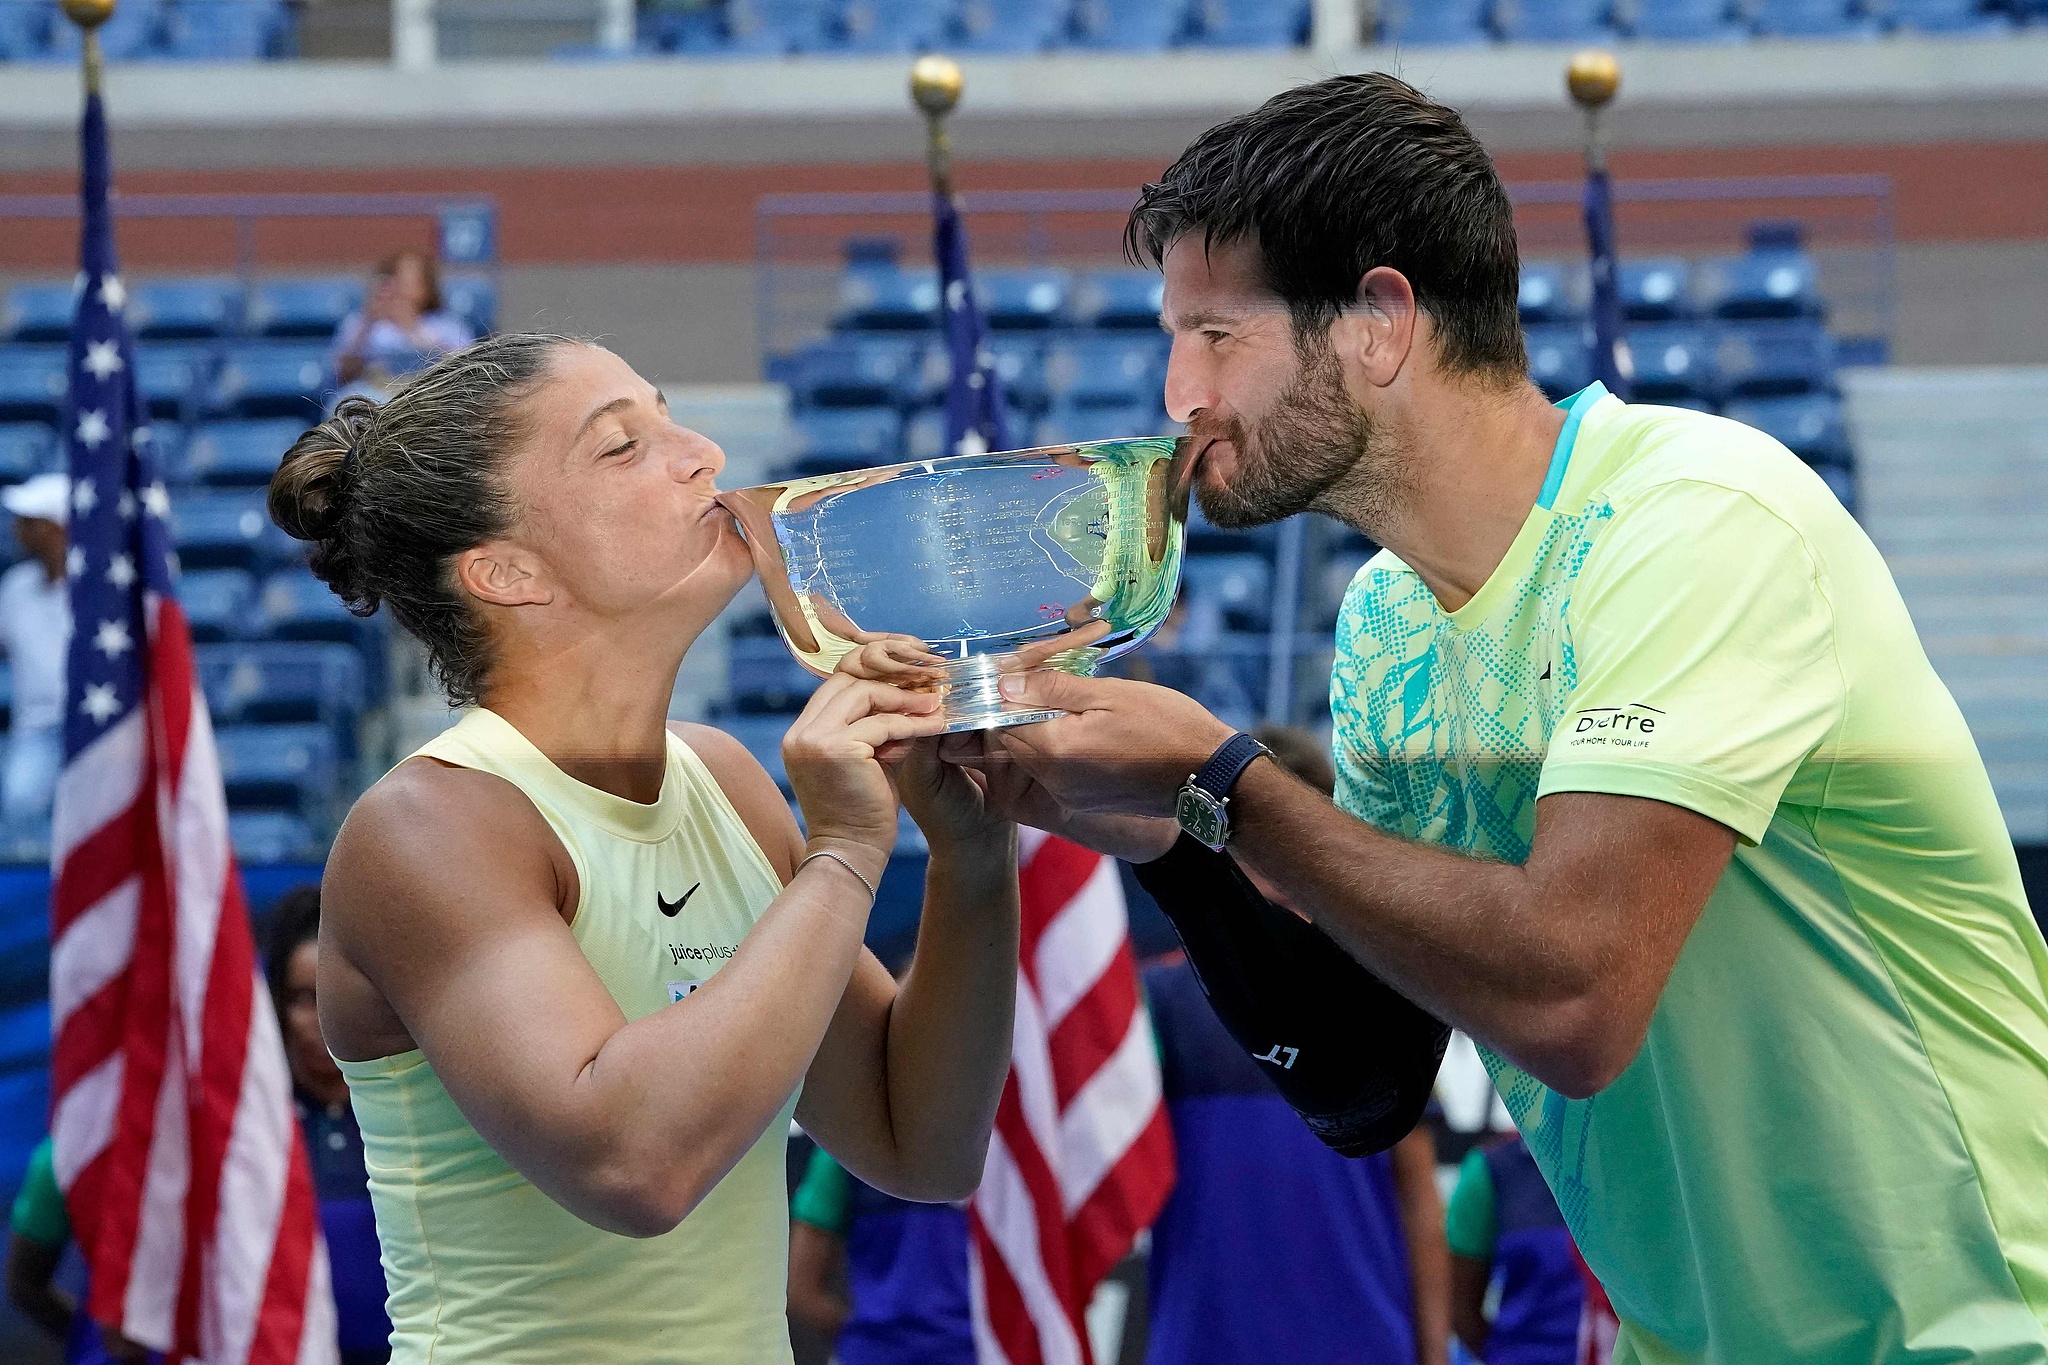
1616 727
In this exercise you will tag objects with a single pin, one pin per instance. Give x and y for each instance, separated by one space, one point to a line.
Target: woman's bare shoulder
751 790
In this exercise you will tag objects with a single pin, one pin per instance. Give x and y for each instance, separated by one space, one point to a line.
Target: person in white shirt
35 633
401 327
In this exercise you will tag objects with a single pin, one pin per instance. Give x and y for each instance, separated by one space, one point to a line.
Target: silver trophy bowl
1062 557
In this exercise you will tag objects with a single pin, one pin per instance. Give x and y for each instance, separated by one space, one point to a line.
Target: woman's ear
503 575
1373 337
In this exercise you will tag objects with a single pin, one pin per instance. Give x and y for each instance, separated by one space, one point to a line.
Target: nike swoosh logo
672 910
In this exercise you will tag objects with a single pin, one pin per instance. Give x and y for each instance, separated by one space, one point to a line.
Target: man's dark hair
1331 179
294 920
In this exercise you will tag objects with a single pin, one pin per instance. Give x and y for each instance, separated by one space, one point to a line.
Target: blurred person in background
1272 1246
401 326
35 632
334 1145
40 1232
1504 1223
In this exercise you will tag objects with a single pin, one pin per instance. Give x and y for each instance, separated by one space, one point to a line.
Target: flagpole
935 85
89 15
1593 77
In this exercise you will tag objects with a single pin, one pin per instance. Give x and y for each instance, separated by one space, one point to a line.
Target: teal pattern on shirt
1440 734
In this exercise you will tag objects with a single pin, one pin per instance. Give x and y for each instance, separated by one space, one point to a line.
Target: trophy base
970 700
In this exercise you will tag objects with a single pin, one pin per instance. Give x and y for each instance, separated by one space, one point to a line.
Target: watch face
1201 815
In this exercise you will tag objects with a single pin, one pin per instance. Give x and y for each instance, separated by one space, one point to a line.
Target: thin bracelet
846 863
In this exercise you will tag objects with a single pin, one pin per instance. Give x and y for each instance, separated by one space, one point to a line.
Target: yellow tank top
483 1267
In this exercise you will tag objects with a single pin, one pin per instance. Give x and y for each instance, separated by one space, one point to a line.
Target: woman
334 1144
579 966
399 328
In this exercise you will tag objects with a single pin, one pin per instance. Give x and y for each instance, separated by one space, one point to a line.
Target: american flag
975 420
1082 1156
175 1139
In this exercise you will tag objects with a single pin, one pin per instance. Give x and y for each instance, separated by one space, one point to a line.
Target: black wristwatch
1203 808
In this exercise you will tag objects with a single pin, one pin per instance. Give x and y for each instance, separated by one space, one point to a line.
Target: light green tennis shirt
1833 1146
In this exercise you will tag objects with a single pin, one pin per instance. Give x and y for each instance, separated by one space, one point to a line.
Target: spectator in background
400 327
35 632
41 1229
903 1265
291 960
1504 1222
1273 1247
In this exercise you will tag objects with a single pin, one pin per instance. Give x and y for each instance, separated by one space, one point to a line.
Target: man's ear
503 575
1376 335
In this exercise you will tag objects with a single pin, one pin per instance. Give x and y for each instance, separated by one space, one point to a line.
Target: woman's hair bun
309 494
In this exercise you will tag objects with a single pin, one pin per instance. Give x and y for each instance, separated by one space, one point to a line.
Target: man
1503 1223
40 1230
35 632
1644 779
1272 1247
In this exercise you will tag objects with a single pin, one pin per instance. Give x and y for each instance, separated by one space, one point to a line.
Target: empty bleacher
154 30
230 373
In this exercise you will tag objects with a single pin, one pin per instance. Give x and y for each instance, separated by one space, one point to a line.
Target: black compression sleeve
1356 1060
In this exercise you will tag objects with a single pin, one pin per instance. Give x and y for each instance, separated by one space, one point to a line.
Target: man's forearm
1458 935
950 1028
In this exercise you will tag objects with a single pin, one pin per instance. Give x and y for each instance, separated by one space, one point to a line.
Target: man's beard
1313 437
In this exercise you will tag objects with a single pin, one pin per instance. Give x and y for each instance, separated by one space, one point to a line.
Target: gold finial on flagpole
1593 77
935 86
89 15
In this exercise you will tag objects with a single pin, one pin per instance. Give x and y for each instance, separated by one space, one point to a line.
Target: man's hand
1124 748
1010 791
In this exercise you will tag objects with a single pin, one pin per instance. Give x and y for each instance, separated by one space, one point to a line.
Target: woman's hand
832 754
1010 792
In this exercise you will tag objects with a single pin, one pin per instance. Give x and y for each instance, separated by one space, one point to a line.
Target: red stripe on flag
92 1034
1094 1028
102 861
282 1320
1130 1196
1046 884
1009 1321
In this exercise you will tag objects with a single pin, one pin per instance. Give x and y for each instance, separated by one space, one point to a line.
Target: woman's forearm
950 1028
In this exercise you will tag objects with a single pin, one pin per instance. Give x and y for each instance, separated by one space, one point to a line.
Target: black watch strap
1227 764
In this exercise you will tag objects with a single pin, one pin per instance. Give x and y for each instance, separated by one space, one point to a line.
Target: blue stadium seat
1083 370
1672 360
223 530
1333 582
1119 299
171 310
832 439
856 370
164 442
874 26
1545 294
1809 424
1943 16
1013 300
272 836
1768 358
131 32
1684 21
285 682
26 448
1020 370
924 436
33 381
1009 25
1129 25
886 299
271 379
231 454
767 27
1810 19
762 736
474 299
1559 361
278 767
219 603
1773 283
1067 423
1238 586
38 312
764 679
1658 290
294 605
699 31
24 31
1250 23
1552 21
303 308
226 30
170 376
1434 23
